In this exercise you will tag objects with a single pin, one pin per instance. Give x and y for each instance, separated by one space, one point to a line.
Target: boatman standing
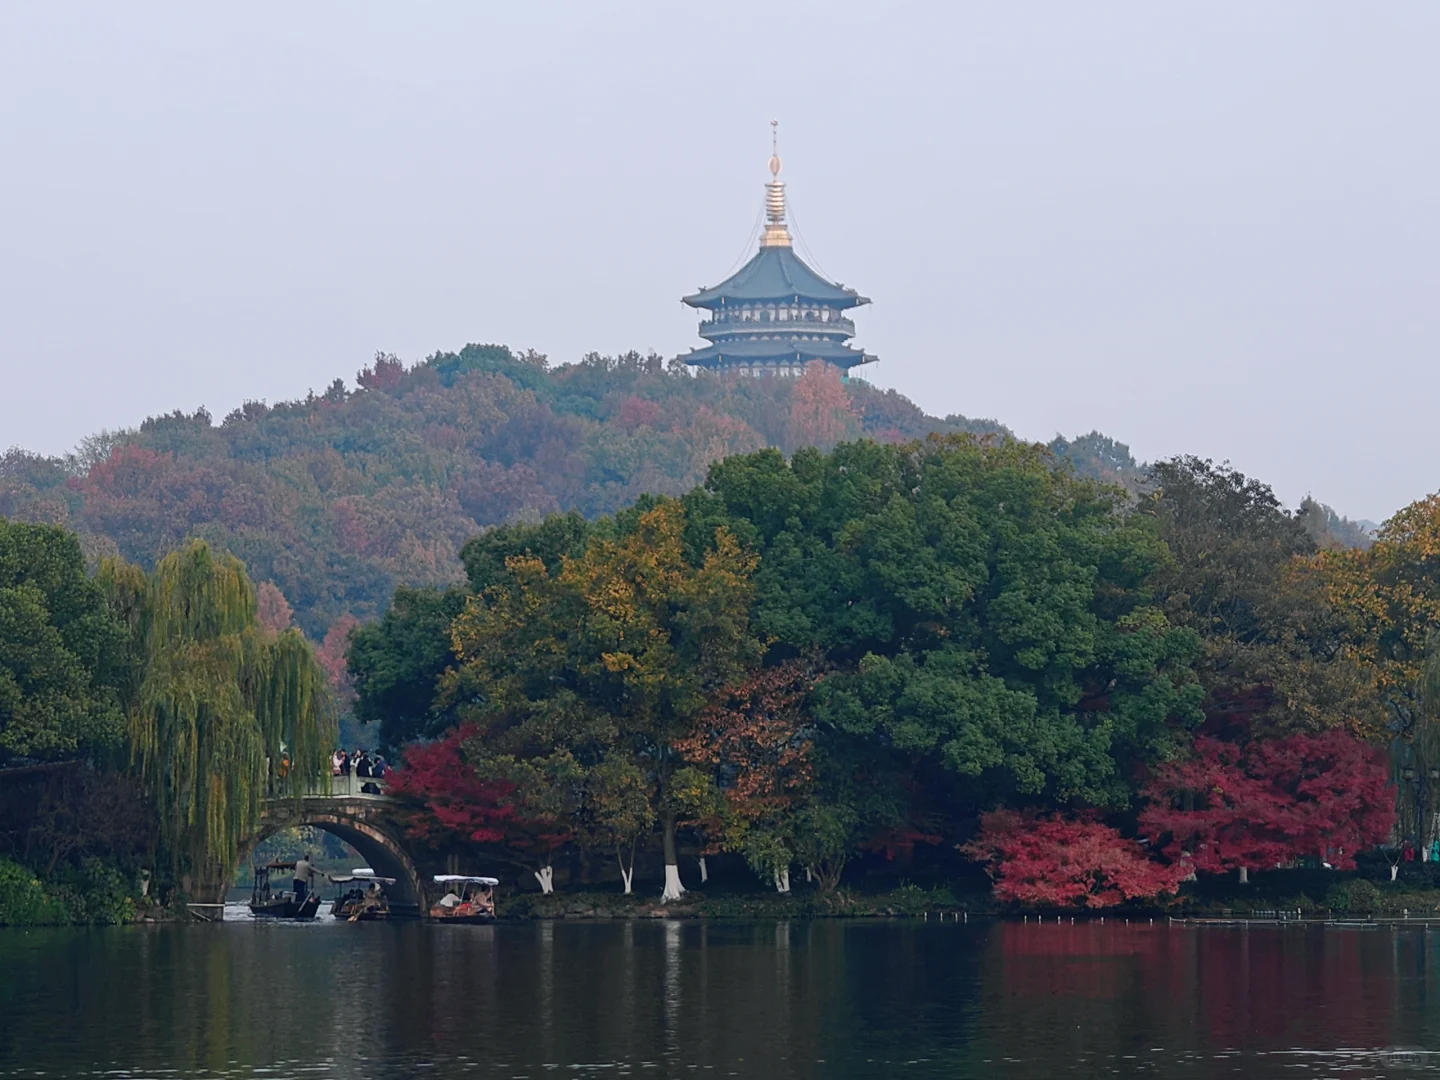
304 877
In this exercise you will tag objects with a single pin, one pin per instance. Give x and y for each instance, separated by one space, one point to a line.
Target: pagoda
775 315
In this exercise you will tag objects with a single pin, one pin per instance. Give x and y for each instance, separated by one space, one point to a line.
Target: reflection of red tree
1266 987
1084 959
1211 989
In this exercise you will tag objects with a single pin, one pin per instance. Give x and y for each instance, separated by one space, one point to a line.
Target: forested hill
338 498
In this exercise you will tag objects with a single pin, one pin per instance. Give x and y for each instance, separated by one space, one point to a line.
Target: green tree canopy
1242 576
60 649
397 664
986 611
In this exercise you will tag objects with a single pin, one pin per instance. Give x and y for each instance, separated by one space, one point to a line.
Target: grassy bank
1314 893
911 900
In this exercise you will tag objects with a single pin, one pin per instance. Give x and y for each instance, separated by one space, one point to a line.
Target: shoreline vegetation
610 614
30 903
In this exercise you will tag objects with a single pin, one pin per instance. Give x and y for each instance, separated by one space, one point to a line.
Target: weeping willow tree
216 704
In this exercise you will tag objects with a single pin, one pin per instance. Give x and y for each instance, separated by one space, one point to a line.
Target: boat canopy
345 879
446 878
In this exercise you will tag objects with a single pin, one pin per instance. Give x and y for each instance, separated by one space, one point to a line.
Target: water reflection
805 999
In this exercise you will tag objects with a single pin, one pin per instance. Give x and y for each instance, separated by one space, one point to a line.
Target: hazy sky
1199 227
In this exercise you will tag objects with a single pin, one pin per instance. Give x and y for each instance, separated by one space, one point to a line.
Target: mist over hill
337 498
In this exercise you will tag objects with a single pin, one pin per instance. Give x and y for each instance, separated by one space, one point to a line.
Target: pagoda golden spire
776 233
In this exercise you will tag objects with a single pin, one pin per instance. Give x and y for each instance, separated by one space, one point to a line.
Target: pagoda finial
776 234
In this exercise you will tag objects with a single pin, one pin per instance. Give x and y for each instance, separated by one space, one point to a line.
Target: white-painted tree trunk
704 876
1244 875
809 877
673 889
627 876
1394 872
782 880
546 876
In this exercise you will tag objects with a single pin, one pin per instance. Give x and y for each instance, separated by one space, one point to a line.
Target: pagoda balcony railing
837 325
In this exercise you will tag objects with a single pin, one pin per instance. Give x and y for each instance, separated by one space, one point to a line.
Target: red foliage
387 374
493 494
900 842
635 412
753 732
272 609
452 798
129 472
1270 801
332 655
820 410
1060 862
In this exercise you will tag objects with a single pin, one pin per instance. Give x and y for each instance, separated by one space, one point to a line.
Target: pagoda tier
775 274
775 314
775 356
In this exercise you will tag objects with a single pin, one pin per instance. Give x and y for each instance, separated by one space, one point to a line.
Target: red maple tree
448 801
447 796
1056 861
1268 802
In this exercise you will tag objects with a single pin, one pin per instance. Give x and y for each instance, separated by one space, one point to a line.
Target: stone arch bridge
370 824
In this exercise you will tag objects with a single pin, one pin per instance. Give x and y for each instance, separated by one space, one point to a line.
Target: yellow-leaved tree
1389 595
604 662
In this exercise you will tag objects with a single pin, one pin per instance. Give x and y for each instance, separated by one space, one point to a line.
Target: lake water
677 999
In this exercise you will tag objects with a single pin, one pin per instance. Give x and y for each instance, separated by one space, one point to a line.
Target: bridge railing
348 786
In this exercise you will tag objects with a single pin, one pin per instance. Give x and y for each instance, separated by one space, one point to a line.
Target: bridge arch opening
381 852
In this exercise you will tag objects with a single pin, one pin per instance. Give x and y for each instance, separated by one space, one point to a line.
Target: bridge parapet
332 787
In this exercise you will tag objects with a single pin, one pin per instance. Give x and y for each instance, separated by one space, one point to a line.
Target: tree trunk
627 875
1244 875
673 889
1394 872
546 876
704 876
782 880
827 874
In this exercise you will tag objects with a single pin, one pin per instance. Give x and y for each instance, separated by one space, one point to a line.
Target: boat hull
481 917
287 908
347 912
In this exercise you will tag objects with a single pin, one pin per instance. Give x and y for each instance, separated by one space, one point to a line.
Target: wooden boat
269 903
466 899
361 899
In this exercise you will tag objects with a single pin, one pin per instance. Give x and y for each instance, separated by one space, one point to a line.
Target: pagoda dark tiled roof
780 350
775 274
